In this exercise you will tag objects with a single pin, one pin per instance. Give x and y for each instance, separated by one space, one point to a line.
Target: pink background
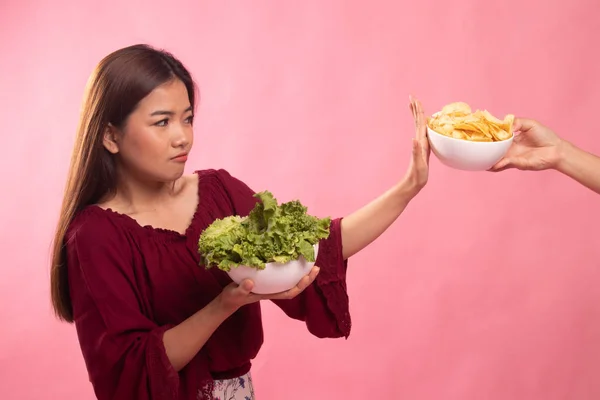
485 289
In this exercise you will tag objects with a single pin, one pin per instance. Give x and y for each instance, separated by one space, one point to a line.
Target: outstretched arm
363 226
579 165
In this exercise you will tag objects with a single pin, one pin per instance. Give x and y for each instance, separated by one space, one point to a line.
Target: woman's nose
180 136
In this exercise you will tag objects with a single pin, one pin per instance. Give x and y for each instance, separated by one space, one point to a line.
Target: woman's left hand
418 170
365 225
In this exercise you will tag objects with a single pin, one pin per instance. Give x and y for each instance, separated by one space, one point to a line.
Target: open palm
418 170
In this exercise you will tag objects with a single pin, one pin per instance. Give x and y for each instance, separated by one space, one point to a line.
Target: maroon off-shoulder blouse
130 283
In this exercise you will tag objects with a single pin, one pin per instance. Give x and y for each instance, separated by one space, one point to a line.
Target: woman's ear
110 139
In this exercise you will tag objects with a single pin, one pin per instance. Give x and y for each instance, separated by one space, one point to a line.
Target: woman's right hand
535 147
235 296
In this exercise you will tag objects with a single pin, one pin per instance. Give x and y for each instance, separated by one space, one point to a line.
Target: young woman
151 323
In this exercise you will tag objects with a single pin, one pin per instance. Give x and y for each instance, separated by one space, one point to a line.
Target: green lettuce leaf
270 233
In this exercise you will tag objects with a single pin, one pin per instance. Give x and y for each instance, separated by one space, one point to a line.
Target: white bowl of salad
275 246
275 277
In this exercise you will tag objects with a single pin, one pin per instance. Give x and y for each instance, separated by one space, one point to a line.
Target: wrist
564 153
405 191
212 315
222 307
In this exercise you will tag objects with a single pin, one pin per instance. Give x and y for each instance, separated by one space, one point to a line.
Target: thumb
245 287
523 124
415 147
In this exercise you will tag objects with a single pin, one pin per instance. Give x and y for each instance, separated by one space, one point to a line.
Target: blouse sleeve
123 349
324 305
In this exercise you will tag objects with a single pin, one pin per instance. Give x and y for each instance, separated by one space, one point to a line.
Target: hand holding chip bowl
466 140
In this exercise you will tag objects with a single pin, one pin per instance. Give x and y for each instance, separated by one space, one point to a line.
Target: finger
303 284
310 278
411 106
288 294
425 149
314 272
502 165
296 290
253 298
300 286
420 119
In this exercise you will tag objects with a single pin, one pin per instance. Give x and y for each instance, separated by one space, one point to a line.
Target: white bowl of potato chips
467 140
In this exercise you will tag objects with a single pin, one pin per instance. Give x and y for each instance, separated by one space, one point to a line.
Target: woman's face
157 136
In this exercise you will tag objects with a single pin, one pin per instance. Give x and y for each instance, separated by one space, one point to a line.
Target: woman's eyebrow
164 112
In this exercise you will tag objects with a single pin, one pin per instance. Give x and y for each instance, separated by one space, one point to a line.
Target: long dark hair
119 82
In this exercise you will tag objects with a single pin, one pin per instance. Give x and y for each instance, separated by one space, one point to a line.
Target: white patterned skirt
234 389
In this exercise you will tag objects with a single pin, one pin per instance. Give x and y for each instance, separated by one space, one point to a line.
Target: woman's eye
189 120
162 122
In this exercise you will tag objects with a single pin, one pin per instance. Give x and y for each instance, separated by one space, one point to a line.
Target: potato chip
459 134
458 121
490 118
509 120
459 108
